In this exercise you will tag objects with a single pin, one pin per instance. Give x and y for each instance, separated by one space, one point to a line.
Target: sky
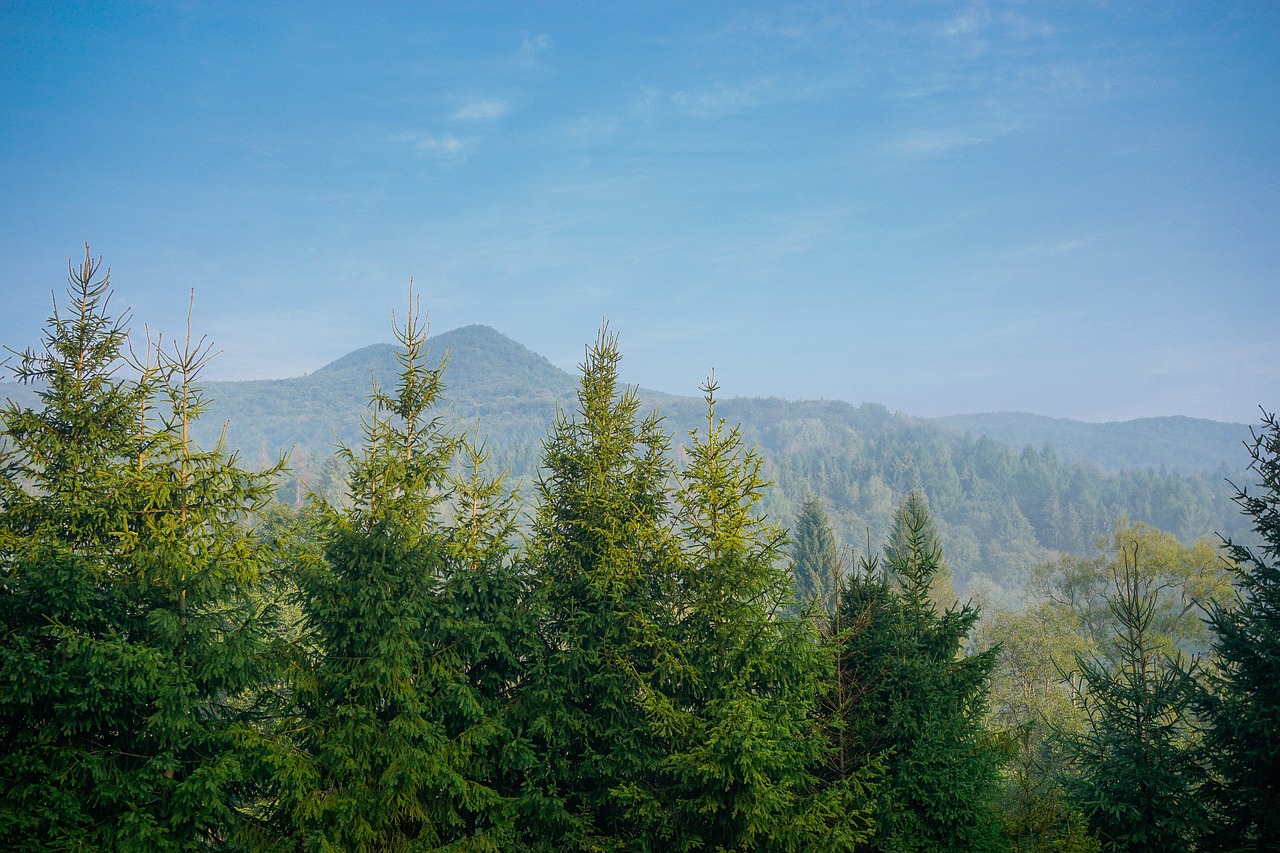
1065 208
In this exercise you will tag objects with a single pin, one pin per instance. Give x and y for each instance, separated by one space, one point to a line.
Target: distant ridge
1175 442
1000 508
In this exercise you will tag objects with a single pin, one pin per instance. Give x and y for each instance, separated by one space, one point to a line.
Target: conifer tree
922 702
604 557
1137 775
127 575
395 736
813 552
1242 704
746 761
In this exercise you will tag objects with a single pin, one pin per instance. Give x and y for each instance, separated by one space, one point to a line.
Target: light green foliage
1028 699
398 723
920 702
606 563
745 763
127 581
1137 775
813 553
1241 701
913 540
1183 580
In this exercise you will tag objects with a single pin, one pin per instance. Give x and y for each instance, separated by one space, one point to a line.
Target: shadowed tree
922 702
1242 704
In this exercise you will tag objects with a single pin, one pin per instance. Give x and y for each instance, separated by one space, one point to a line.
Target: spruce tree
813 552
920 703
1137 775
599 709
396 727
745 767
1242 704
127 580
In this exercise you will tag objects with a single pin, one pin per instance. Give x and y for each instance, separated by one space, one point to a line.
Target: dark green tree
813 553
1242 704
919 702
397 730
127 581
748 751
605 560
1137 774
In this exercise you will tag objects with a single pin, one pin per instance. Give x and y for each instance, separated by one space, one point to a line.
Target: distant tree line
188 664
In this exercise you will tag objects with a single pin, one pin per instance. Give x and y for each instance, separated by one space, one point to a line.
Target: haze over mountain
1008 490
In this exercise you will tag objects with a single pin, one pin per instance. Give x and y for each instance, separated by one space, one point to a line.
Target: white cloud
721 100
481 111
533 44
436 145
935 143
971 20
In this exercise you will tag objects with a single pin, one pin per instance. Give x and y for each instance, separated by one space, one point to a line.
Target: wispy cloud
485 110
721 100
937 143
1056 247
532 44
969 21
441 146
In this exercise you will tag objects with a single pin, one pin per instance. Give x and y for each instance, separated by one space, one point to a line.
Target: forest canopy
201 655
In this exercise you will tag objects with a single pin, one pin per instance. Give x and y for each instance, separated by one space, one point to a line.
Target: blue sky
1065 208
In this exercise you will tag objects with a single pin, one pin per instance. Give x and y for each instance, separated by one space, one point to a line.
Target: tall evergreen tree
921 702
397 727
605 560
1137 775
1242 705
745 763
127 575
813 553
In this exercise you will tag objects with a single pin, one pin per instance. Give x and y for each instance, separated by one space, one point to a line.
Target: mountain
490 377
1004 495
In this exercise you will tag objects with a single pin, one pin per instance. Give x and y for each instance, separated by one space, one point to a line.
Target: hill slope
1000 508
1178 443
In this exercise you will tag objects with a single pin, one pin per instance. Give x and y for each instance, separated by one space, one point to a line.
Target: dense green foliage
126 597
601 703
394 665
1138 775
999 507
1242 698
923 701
399 724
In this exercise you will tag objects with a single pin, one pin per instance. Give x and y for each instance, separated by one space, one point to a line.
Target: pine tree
1242 705
127 580
745 767
1138 776
921 703
604 557
813 551
397 726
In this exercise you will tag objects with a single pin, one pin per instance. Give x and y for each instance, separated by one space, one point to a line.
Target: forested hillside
1000 507
189 664
1176 442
